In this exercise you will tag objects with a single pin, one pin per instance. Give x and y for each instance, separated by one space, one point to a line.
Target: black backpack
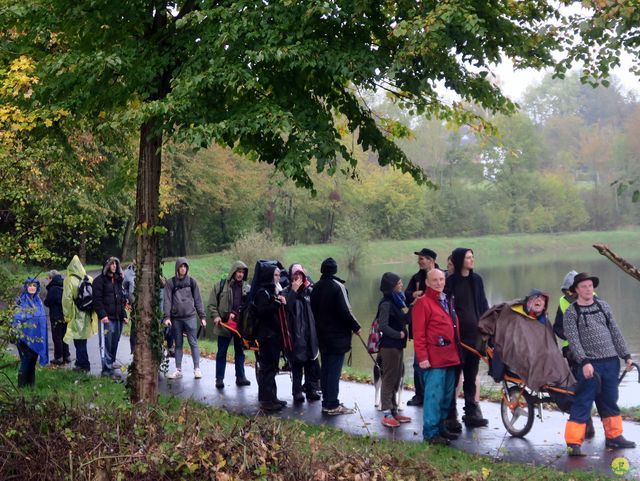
84 299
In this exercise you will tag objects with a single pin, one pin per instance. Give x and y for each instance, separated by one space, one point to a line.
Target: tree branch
619 261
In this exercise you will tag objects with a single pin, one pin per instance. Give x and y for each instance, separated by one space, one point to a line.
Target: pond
509 281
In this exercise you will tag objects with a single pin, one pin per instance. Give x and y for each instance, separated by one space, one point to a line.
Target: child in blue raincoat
30 324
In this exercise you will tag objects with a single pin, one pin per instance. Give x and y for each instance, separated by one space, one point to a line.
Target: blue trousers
27 369
82 356
587 392
112 332
330 369
221 356
439 384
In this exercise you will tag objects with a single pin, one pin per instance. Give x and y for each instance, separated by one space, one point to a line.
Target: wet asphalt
543 446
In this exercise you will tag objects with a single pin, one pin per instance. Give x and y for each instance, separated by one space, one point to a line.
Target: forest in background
555 166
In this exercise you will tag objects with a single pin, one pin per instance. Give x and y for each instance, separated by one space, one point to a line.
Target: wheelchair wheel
517 415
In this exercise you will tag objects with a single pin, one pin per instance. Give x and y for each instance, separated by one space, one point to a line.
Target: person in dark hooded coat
304 340
270 312
466 290
53 301
109 301
30 328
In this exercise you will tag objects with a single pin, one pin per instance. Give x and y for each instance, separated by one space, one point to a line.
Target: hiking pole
624 373
376 364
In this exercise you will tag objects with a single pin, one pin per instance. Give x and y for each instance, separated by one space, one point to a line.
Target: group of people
446 313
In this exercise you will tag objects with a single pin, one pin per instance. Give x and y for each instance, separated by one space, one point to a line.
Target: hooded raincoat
301 321
526 345
221 302
30 321
80 324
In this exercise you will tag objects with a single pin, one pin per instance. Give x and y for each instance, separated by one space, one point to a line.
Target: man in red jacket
436 338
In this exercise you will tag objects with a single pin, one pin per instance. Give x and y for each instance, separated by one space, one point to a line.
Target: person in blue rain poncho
30 325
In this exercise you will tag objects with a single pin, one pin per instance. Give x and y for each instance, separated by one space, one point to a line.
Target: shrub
254 246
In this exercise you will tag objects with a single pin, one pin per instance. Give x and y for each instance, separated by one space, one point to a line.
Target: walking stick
624 373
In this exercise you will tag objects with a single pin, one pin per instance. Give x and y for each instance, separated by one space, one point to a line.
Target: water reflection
515 281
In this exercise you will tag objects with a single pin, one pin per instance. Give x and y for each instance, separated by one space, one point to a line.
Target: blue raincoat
30 321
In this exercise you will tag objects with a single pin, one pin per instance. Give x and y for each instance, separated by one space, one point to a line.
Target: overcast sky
514 83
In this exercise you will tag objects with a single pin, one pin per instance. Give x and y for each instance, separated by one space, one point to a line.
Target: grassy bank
81 427
489 250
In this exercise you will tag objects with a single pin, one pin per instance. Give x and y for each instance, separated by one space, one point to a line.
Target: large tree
279 81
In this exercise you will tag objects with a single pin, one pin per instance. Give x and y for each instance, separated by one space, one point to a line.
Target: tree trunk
146 360
128 248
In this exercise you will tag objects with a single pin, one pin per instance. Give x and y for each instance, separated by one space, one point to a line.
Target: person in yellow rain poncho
81 325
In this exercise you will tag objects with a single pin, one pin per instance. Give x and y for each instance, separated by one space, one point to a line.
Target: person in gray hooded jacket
182 308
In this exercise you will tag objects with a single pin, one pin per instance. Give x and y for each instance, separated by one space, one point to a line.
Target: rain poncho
80 324
30 321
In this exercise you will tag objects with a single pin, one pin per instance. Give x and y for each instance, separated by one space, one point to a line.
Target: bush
254 246
354 234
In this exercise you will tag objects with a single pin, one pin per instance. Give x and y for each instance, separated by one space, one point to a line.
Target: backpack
248 322
375 336
84 299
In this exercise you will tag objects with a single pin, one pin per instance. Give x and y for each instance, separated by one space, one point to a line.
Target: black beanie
329 266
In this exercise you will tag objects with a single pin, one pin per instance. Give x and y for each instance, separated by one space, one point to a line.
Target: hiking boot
390 422
445 433
242 381
439 440
415 401
197 373
619 443
81 369
313 396
341 409
453 425
575 450
281 402
271 406
67 360
219 383
106 373
177 374
298 398
56 362
474 421
590 431
402 419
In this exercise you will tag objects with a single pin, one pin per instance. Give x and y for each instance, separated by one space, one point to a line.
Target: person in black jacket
393 316
53 301
109 300
304 340
466 289
416 287
335 324
271 329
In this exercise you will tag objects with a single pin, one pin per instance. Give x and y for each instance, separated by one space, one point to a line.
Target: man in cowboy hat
596 344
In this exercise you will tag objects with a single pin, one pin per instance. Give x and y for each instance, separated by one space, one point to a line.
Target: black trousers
311 371
268 357
60 348
470 364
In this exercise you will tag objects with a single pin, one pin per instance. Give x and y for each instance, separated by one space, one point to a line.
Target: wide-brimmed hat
427 253
583 276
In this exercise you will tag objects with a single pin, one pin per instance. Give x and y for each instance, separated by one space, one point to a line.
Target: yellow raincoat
80 324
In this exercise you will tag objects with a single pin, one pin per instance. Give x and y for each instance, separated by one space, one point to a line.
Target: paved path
544 445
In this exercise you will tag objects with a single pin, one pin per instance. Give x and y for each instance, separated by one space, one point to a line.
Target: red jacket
435 334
